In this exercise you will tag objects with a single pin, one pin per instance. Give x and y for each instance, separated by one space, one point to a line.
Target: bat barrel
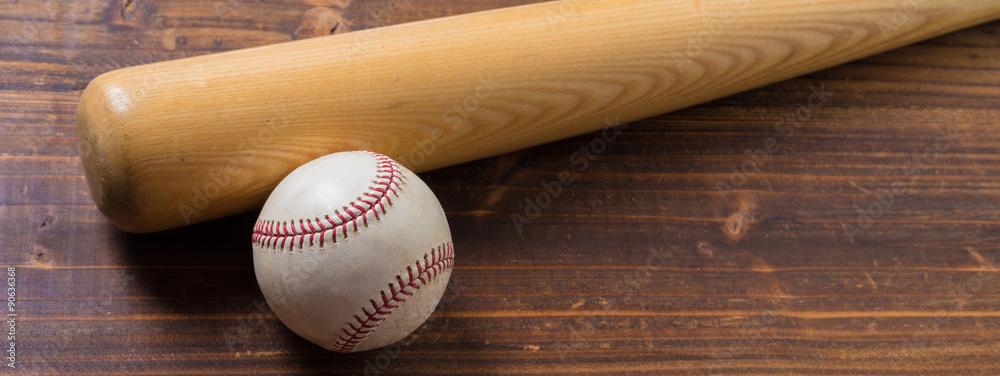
185 141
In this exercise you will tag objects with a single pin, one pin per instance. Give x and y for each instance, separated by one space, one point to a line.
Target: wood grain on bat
190 140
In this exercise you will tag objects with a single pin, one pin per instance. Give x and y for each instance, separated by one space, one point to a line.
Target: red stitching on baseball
388 179
441 258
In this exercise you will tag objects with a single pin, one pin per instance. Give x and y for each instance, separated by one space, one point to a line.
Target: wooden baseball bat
185 141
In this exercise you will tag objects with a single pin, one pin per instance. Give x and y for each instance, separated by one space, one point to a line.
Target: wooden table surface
865 242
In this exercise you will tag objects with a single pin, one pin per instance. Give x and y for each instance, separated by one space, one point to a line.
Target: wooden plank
643 265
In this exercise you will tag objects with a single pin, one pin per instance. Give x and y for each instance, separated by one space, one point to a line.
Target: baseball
352 251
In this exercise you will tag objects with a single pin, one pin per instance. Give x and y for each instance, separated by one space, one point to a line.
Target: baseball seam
440 259
275 235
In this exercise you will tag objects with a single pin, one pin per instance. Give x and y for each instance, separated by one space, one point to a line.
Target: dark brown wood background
866 244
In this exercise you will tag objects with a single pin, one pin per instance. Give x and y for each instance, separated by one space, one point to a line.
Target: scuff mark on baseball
352 251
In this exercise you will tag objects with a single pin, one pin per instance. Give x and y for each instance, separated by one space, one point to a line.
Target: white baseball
352 251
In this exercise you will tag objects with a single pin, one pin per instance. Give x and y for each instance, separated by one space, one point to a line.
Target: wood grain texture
648 263
189 140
